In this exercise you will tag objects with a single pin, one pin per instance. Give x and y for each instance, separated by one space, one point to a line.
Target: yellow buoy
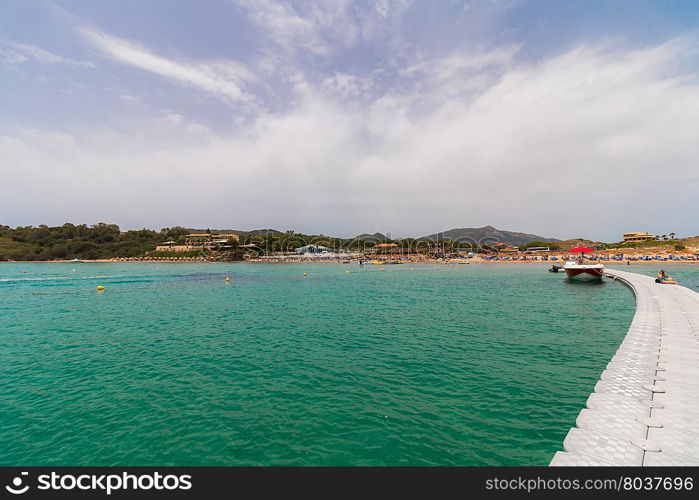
304 275
228 278
347 272
383 269
100 288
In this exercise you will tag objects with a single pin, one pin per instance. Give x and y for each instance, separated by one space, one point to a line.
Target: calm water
450 364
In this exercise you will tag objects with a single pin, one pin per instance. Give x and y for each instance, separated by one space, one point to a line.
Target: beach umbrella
581 250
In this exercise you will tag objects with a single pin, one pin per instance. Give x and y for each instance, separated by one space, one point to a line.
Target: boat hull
589 273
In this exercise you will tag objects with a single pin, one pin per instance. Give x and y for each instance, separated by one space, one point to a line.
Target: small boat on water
579 269
574 269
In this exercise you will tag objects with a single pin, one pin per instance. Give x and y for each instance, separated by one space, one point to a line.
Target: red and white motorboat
583 271
580 270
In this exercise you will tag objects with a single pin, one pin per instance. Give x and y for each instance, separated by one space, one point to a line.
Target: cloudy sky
563 118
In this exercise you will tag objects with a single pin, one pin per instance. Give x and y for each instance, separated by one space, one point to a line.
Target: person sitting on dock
664 278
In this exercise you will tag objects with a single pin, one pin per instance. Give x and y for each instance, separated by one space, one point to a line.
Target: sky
561 118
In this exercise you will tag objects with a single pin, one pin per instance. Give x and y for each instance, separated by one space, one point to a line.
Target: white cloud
347 86
17 53
313 26
223 79
591 142
461 61
321 27
175 118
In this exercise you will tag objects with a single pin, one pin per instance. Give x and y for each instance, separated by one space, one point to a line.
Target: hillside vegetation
10 247
69 241
106 241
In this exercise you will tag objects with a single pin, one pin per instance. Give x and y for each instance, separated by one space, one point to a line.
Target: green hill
488 235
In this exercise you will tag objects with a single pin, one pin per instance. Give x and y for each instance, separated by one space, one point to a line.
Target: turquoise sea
172 365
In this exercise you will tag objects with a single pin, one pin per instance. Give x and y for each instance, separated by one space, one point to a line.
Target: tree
552 246
408 244
176 233
672 236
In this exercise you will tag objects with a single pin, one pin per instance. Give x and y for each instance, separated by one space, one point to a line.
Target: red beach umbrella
581 250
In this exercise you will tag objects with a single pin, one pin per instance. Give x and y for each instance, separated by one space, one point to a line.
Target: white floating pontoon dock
645 408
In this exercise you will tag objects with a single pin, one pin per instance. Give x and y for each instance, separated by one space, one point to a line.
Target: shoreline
624 262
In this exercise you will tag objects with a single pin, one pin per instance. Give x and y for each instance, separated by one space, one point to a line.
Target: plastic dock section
645 408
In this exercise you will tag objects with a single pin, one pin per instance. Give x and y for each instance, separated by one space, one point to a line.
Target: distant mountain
370 237
488 235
